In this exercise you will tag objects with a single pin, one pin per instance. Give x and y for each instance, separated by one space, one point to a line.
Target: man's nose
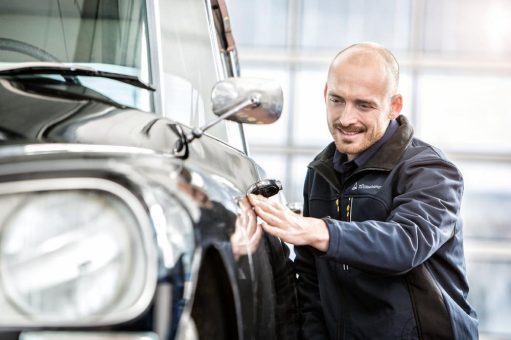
348 115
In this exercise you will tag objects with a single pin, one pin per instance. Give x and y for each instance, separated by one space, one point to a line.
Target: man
379 250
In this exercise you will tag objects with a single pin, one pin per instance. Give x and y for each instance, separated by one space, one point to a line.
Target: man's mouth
349 132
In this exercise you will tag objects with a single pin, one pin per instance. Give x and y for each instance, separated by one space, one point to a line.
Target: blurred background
456 82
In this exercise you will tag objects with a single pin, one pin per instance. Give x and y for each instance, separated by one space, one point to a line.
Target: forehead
363 75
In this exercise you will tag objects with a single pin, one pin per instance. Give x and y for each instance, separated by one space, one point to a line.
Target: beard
364 138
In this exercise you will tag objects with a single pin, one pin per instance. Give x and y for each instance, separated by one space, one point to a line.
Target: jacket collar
385 159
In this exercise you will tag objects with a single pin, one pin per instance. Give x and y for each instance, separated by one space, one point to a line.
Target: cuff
334 242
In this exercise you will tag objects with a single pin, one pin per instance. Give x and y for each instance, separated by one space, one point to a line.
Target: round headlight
67 254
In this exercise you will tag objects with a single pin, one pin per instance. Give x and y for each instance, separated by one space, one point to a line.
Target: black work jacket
395 265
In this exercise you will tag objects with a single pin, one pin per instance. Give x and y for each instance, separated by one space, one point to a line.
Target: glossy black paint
58 115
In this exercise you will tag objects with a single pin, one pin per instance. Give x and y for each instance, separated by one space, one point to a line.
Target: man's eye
364 106
336 100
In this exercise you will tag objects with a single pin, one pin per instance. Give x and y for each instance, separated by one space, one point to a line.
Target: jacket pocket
431 313
320 207
362 208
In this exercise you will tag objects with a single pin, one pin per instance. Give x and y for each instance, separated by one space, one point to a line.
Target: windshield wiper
72 70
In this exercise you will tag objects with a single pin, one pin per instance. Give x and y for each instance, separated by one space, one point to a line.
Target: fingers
277 232
272 212
269 218
274 218
258 200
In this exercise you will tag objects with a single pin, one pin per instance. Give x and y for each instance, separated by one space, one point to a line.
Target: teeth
348 133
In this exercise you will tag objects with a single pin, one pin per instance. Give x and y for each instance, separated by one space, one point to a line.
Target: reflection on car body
117 218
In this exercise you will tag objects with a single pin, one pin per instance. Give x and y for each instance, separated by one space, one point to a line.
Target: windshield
107 35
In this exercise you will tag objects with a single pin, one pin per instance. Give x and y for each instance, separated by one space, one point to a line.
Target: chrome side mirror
243 100
263 99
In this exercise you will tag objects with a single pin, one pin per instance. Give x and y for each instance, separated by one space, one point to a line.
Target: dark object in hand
265 187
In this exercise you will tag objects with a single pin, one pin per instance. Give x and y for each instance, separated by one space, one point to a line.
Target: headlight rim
139 210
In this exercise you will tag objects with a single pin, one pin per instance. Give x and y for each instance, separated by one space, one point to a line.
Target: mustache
352 128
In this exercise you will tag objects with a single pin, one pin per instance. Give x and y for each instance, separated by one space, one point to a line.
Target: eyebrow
365 102
357 101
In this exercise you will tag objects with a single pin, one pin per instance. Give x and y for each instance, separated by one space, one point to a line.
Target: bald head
361 97
372 55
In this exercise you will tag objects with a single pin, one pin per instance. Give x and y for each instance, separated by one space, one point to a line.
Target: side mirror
263 100
243 100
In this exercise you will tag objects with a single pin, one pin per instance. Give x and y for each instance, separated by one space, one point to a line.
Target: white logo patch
365 186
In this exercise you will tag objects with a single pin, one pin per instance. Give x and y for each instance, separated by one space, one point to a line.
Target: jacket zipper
338 205
349 209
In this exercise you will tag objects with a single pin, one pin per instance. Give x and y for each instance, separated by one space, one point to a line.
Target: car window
113 36
192 64
107 35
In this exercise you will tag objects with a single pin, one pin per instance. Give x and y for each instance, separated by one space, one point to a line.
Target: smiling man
379 249
361 98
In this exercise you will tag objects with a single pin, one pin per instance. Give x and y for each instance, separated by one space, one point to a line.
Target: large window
467 28
464 110
455 79
328 24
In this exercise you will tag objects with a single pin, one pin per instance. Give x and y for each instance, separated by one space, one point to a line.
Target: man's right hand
280 221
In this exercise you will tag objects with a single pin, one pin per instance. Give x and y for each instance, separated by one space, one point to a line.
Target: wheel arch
216 307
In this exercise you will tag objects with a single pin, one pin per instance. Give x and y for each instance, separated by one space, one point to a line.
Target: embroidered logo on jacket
365 186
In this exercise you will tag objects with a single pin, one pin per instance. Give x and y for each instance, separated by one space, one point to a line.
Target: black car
124 174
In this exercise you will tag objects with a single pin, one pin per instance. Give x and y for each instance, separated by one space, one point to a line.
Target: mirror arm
254 101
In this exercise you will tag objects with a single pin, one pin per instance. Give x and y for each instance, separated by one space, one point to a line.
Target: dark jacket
395 266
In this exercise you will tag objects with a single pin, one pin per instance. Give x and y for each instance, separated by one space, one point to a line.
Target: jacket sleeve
423 217
313 323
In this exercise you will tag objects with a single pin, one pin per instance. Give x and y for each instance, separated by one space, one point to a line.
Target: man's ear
396 104
325 91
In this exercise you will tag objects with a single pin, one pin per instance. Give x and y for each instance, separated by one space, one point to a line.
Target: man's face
358 103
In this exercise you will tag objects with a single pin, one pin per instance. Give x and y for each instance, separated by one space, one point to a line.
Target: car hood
35 113
30 115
